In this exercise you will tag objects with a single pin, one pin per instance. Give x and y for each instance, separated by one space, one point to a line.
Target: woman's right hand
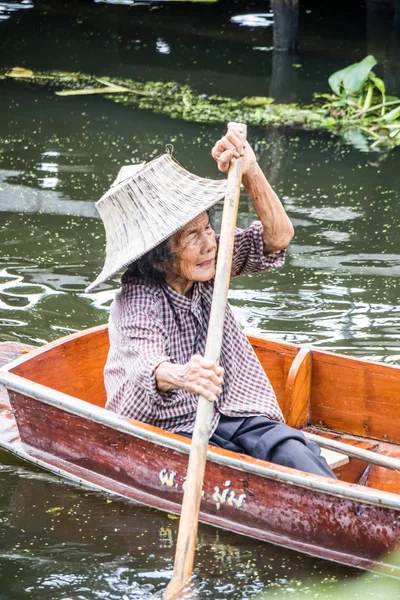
203 377
199 375
234 145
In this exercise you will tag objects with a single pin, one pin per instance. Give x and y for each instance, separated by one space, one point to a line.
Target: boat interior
335 396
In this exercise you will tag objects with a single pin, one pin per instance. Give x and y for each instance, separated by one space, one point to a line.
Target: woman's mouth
206 264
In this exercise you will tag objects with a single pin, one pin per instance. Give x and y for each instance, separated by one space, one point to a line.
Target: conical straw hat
147 207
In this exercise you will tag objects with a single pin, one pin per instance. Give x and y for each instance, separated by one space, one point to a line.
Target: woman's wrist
252 170
170 376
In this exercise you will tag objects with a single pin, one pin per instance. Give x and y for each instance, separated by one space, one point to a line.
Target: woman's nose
208 241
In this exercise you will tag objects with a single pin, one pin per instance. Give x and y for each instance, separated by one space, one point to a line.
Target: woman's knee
295 454
289 453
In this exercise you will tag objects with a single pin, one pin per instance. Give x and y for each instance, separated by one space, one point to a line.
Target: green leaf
369 96
352 78
379 83
330 122
393 114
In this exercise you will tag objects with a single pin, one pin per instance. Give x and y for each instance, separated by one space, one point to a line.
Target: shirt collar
183 302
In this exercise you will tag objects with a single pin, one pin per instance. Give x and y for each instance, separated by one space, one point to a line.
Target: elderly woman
158 327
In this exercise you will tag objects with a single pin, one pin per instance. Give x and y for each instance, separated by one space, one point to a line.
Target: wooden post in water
283 84
286 24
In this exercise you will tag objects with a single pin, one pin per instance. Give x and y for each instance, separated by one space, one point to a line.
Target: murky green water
338 290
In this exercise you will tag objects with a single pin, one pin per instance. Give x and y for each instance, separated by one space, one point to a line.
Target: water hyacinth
358 109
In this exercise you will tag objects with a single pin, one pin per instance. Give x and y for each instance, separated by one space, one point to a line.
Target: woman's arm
277 228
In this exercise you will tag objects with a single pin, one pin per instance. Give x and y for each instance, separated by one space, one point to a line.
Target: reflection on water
254 20
7 8
92 546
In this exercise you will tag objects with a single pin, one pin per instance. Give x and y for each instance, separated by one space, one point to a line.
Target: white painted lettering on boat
167 478
220 498
226 496
237 502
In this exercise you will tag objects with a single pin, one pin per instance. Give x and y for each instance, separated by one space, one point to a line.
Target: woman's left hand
233 145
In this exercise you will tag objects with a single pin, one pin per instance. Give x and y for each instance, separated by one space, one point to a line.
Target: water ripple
17 295
318 257
6 8
326 319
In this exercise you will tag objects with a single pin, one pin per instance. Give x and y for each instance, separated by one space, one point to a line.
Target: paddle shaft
188 524
367 455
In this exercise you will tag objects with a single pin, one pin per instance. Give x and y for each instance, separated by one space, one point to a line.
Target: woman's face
194 248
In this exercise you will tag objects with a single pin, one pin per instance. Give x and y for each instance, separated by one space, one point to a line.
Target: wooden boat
55 418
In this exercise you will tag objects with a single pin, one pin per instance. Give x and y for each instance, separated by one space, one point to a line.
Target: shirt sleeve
144 347
248 252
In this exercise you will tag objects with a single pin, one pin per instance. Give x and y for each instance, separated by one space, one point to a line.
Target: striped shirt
151 323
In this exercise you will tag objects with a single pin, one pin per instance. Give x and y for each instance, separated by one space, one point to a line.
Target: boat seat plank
334 459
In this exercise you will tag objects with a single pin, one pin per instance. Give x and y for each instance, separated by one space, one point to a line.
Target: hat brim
147 208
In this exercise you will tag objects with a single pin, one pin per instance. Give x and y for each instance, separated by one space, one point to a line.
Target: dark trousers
272 441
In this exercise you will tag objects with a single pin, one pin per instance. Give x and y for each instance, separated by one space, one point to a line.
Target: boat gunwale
178 443
277 344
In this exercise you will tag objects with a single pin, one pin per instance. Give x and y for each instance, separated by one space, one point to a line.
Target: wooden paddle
187 534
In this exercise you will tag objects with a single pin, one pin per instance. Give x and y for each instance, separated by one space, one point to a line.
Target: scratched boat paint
338 290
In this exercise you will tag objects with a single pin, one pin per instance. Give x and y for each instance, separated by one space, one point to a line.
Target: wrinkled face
194 248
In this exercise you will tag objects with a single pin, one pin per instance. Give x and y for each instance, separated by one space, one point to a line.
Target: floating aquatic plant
358 109
359 101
